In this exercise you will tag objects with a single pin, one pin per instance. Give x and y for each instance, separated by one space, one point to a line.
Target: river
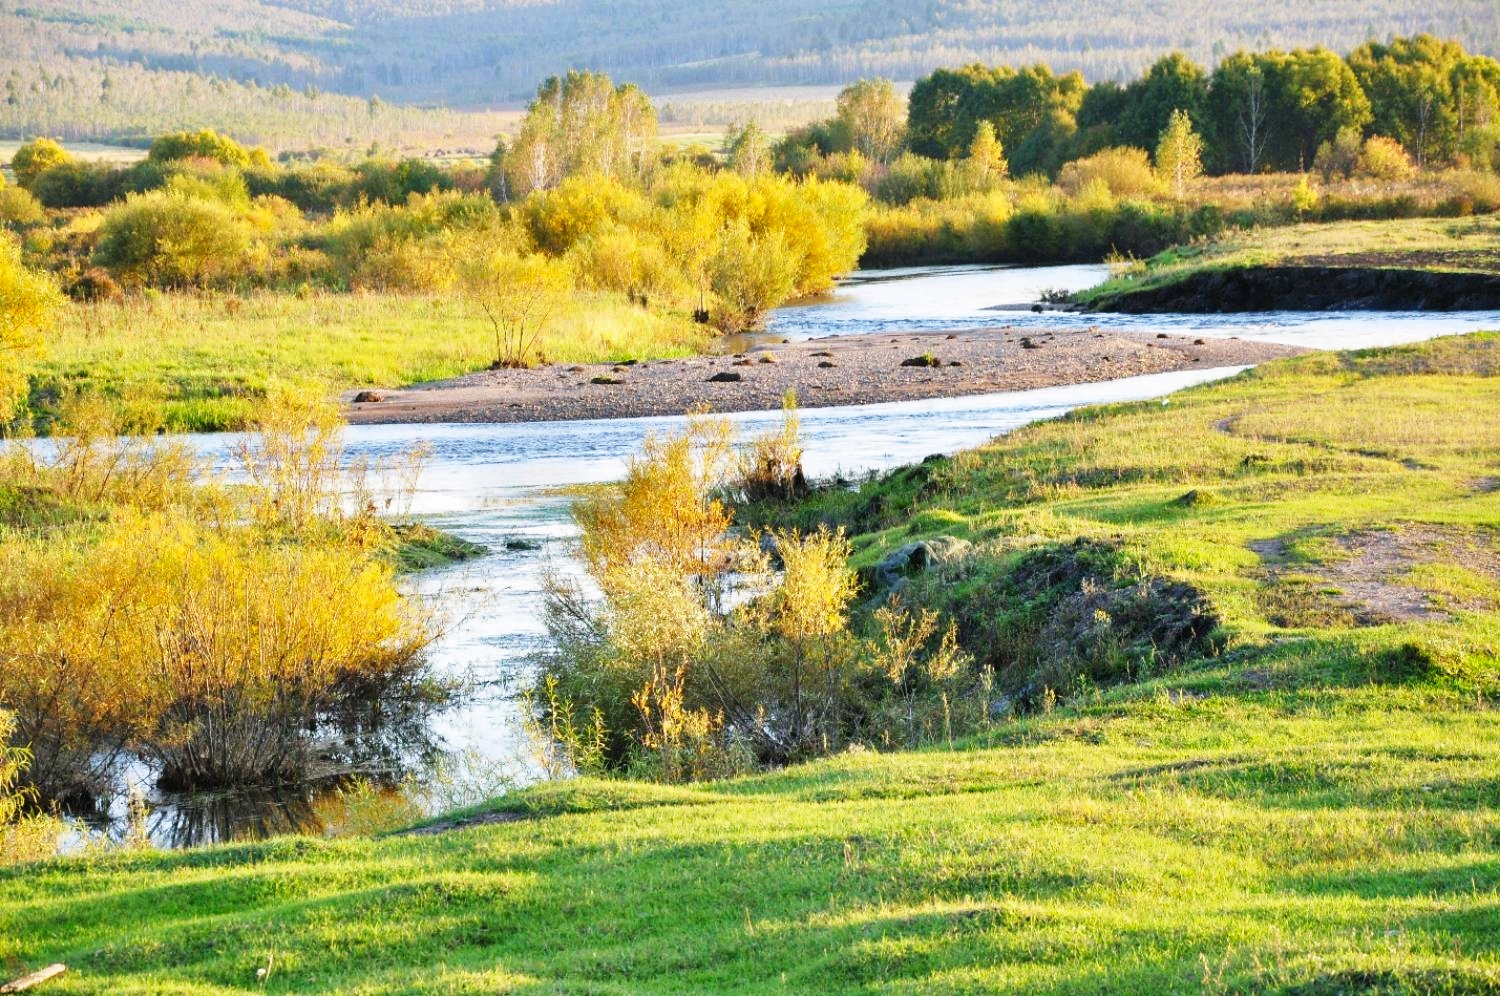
502 486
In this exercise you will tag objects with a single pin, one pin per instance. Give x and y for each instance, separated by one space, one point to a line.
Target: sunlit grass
1311 811
204 360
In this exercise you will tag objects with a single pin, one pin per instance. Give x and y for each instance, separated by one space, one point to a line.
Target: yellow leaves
656 613
903 649
28 302
812 600
204 626
772 465
293 462
519 295
665 510
110 639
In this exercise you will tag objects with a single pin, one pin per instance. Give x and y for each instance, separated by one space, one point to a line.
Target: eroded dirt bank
1310 288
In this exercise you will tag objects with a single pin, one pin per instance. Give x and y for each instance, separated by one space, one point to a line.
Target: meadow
202 362
1306 807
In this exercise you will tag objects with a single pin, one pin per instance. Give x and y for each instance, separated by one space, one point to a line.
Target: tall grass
202 361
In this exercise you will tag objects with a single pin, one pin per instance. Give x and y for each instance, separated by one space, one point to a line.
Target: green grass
200 362
1311 810
1441 244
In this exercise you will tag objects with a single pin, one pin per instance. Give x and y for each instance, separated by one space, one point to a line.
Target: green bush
172 238
206 144
19 208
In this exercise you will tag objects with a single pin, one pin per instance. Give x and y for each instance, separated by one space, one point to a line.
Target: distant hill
98 68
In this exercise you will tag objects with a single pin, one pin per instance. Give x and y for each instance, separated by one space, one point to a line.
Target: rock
1161 335
606 379
823 353
1028 343
767 358
955 363
918 556
725 377
825 365
925 360
1198 342
740 363
368 397
520 545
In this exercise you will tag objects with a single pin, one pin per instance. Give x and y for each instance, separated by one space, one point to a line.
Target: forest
275 73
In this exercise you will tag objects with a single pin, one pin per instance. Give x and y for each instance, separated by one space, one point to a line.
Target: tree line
1255 111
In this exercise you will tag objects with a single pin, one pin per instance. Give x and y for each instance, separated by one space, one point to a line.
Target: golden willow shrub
735 247
697 658
28 302
210 652
207 628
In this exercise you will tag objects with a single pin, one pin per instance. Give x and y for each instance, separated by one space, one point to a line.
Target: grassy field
201 361
1312 809
1465 245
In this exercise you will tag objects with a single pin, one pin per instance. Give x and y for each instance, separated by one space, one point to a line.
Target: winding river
504 486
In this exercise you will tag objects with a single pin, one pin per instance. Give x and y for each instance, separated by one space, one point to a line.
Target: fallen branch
36 978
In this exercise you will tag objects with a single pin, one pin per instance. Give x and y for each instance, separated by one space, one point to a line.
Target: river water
503 486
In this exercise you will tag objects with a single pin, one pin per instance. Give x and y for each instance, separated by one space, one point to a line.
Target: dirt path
838 370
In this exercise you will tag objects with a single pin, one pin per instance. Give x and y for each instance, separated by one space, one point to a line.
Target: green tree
581 123
1241 99
1318 96
1032 109
749 275
37 157
940 118
1179 153
875 117
1173 83
28 302
1476 95
172 238
748 151
1410 84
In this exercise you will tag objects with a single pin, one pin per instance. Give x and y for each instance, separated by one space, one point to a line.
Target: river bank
1426 265
837 370
1309 288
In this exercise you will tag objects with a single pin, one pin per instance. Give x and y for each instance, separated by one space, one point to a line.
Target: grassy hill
96 68
1309 809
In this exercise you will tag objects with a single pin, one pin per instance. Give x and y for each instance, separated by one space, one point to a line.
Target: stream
503 486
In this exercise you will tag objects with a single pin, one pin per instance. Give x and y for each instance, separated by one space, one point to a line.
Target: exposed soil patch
1471 260
840 370
1312 288
1369 581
